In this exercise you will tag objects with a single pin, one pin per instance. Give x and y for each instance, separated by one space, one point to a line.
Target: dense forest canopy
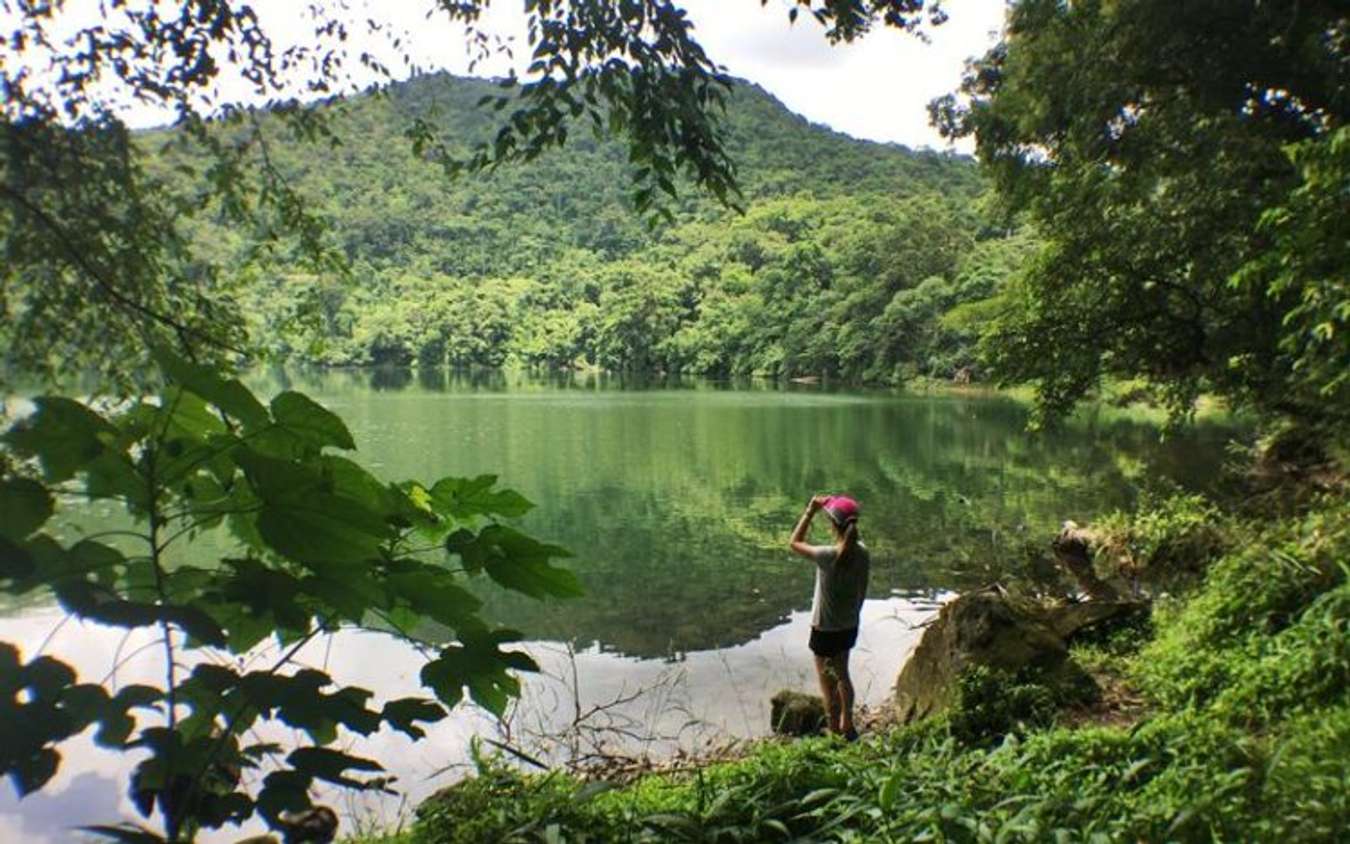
547 264
1187 165
89 229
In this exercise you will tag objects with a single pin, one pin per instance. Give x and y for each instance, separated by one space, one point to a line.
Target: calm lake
677 499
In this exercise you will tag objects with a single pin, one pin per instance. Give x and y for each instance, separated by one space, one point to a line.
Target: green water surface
678 497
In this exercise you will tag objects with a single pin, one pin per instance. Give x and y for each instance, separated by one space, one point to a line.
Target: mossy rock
796 714
987 628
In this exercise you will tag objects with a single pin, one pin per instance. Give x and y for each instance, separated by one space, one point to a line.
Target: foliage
1267 638
1186 167
318 543
991 704
96 257
1173 537
540 266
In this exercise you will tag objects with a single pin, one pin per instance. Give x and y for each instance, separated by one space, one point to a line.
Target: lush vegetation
1177 175
1245 734
547 265
318 542
1187 167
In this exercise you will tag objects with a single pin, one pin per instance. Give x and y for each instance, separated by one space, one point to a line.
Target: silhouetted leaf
16 564
402 714
25 505
283 791
480 665
331 765
31 773
126 833
190 619
62 434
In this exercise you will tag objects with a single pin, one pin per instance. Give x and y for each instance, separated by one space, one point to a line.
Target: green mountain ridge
846 257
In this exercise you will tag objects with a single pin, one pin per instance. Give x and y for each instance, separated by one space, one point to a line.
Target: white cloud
877 88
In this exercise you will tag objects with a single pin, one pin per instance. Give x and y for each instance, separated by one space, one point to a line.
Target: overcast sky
877 88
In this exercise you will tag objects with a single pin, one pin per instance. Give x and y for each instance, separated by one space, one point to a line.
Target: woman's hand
798 541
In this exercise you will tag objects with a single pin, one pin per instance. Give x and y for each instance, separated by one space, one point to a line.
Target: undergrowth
1247 738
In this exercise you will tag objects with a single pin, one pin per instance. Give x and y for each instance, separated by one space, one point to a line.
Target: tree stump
1073 548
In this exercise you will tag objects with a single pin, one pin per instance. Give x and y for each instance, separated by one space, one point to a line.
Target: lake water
677 499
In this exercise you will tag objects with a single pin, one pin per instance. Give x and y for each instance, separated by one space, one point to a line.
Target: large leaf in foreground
480 665
516 561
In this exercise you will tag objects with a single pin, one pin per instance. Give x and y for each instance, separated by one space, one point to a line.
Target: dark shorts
832 642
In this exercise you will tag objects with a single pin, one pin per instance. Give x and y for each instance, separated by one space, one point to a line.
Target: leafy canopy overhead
1186 164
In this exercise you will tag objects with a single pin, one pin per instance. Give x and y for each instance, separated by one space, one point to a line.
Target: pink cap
841 509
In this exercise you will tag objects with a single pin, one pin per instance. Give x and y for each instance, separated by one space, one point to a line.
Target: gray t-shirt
840 590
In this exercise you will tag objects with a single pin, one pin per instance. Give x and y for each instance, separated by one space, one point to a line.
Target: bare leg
844 690
829 692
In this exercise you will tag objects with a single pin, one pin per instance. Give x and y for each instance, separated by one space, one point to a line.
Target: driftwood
1073 548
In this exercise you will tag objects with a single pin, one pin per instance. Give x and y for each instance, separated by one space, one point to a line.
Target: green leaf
25 505
310 421
64 435
465 498
305 519
516 561
433 592
324 530
228 394
889 789
189 415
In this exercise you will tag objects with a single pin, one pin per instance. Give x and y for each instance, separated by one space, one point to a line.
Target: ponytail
848 543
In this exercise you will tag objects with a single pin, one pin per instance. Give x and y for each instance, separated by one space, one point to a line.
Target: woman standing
841 586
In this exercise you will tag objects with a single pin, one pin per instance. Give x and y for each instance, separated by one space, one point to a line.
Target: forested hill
849 255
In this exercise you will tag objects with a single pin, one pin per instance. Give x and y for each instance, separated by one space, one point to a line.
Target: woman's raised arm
798 541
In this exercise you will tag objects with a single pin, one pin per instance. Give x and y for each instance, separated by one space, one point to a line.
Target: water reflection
583 699
677 494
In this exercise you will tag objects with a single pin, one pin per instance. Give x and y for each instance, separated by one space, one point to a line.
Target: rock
985 627
795 714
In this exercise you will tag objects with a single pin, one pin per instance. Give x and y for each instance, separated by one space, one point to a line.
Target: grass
1245 735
